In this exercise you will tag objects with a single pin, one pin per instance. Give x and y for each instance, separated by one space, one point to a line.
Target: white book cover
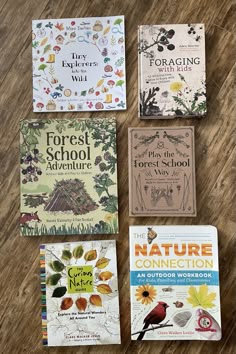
174 277
80 302
171 71
79 64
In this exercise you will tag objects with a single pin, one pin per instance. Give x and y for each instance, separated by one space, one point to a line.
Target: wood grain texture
20 322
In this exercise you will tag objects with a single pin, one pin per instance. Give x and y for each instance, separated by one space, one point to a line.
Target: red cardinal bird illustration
157 315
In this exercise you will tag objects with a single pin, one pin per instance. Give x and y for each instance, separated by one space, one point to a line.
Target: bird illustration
157 315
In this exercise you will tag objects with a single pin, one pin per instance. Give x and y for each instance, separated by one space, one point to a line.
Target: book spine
43 295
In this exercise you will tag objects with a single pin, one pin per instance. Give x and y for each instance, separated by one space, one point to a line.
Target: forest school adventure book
79 64
68 176
174 278
171 71
162 171
80 304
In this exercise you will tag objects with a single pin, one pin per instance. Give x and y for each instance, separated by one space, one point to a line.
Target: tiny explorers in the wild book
171 71
174 277
79 64
80 302
68 176
162 171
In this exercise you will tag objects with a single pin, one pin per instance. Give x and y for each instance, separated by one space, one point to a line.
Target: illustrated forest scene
70 201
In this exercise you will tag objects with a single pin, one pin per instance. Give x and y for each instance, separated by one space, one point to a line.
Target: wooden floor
20 322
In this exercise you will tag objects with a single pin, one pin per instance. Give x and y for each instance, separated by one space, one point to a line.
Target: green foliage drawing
102 183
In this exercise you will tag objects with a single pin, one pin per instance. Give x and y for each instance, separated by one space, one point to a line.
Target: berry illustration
107 156
171 47
36 151
29 158
160 48
24 172
98 159
102 166
39 172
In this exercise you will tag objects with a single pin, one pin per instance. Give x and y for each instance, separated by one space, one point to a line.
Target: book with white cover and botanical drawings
79 64
79 289
171 71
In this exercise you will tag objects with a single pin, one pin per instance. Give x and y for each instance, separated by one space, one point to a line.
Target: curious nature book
174 277
162 171
171 71
80 303
79 64
68 176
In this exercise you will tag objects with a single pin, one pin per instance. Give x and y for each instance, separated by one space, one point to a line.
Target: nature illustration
79 291
69 195
201 297
164 194
167 87
104 36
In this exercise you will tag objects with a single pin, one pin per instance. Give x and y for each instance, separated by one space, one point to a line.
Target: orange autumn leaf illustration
44 41
66 303
102 263
81 303
95 300
90 255
59 26
104 289
105 275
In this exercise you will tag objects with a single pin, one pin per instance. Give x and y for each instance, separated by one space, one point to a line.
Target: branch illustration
153 328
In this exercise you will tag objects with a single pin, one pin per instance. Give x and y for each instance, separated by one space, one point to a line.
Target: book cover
162 172
171 71
174 277
79 64
80 302
68 176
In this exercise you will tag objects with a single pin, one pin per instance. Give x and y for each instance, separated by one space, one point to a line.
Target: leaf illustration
83 93
81 303
182 318
66 255
105 275
59 26
95 300
102 263
53 279
120 83
43 41
90 255
42 67
57 266
106 30
104 289
118 21
78 252
201 297
47 48
66 303
59 292
100 82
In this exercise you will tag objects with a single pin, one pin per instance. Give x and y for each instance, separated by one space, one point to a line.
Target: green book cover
68 176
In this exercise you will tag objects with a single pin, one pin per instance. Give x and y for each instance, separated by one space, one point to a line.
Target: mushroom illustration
56 49
111 83
40 105
72 35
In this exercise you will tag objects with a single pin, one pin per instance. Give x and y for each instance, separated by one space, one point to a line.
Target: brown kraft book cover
162 172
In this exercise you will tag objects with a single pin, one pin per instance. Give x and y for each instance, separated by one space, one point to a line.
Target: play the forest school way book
171 71
68 176
79 64
162 171
80 303
174 276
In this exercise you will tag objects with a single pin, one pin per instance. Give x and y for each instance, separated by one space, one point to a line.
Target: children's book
68 176
80 303
162 171
79 64
174 278
171 71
